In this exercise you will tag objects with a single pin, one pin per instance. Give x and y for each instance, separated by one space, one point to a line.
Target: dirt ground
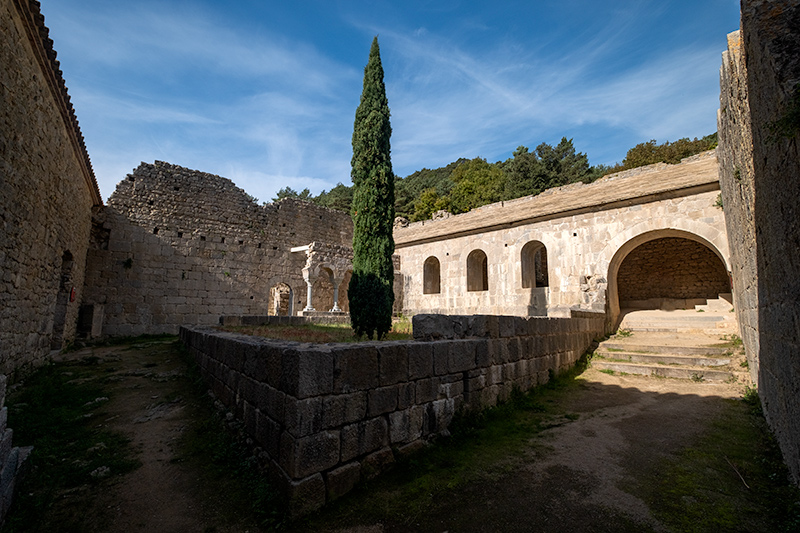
573 477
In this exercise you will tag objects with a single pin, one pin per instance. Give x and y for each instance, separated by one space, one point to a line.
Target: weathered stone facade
177 246
327 416
760 176
47 190
583 234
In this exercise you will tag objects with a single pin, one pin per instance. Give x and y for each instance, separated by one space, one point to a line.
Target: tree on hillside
533 172
371 291
477 183
339 198
288 192
649 152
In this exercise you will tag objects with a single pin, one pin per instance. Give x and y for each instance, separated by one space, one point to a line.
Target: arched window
534 265
477 271
430 276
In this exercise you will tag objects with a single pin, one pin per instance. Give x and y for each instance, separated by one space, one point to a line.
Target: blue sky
264 93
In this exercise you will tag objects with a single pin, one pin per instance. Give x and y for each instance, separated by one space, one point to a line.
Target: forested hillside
469 183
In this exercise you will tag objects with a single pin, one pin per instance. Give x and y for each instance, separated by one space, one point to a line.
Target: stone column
308 307
336 308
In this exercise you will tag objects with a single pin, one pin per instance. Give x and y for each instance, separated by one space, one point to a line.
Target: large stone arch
627 241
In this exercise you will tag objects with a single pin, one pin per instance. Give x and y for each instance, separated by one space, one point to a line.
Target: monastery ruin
526 285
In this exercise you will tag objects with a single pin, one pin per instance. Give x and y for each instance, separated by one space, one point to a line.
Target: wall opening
62 301
477 271
322 290
670 273
533 259
280 300
431 276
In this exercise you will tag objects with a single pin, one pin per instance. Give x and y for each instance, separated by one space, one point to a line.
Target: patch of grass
607 371
229 473
731 479
697 377
53 410
615 350
624 333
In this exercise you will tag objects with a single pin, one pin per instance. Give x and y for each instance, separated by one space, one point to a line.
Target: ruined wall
671 268
47 191
761 77
328 416
178 246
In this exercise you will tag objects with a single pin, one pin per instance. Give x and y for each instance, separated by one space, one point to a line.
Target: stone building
47 192
652 237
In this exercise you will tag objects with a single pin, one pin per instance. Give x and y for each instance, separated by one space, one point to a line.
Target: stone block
3 419
376 463
520 326
305 495
302 457
441 354
356 368
420 360
5 445
303 417
340 409
307 371
271 401
478 326
341 480
507 326
405 395
393 363
382 400
363 437
427 327
483 357
461 356
407 450
268 434
427 390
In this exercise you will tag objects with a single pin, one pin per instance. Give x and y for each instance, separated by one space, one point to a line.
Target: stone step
686 360
671 349
694 374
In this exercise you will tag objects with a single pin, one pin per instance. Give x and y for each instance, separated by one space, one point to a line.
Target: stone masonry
327 416
47 190
177 246
759 132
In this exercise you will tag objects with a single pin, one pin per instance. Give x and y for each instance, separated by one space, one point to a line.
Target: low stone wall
11 458
270 320
327 416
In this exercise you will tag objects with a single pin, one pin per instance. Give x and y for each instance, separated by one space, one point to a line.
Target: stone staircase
714 317
686 353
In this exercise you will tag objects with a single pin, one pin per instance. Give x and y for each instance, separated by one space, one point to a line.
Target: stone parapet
329 415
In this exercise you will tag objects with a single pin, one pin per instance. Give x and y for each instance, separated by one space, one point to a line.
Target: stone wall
47 190
11 458
760 111
671 268
178 246
328 416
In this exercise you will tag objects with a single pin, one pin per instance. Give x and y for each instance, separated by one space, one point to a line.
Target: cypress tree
371 291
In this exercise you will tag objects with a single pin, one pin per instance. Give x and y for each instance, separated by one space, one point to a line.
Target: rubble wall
327 416
178 246
47 191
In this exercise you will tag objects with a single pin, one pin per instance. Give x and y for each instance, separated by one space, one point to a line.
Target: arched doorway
280 300
665 269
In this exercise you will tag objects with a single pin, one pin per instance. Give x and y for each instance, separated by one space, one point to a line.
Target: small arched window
431 276
533 259
477 271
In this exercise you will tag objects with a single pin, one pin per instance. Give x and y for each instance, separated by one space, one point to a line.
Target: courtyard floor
593 452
